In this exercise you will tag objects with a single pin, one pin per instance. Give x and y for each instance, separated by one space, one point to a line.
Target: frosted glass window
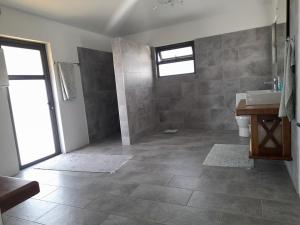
175 59
179 52
22 61
176 68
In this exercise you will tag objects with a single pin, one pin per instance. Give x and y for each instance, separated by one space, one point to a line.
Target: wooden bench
14 191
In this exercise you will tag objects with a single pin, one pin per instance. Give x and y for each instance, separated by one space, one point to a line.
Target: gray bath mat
229 156
79 162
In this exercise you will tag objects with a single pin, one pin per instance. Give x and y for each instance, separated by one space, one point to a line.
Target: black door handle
51 106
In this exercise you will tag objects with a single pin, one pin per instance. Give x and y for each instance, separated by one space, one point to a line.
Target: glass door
31 101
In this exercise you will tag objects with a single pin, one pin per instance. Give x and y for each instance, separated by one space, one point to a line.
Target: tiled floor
164 183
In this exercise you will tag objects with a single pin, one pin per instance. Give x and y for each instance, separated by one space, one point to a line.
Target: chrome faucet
275 83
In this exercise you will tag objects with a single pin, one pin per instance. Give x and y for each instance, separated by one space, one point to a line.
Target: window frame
158 51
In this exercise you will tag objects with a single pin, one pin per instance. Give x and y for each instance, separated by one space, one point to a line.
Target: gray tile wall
225 64
99 90
134 79
280 39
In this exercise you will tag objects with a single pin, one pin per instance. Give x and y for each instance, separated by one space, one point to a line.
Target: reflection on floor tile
16 221
31 209
65 215
44 191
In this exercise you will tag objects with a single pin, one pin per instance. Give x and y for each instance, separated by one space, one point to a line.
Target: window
175 59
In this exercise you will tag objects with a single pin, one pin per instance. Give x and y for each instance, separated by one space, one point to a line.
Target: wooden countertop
14 191
244 109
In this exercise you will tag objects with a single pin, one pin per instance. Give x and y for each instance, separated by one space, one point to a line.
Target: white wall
294 166
298 93
8 153
62 42
251 16
281 11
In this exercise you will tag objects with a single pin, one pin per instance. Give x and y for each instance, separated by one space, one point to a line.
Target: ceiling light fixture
171 3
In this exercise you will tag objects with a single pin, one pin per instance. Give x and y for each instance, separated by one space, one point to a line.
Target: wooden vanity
270 135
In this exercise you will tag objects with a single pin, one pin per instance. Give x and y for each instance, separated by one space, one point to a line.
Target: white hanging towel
287 103
3 71
66 74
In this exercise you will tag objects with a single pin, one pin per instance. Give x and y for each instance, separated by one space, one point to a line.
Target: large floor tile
71 197
111 185
65 215
153 188
157 168
107 202
31 209
280 192
237 185
56 178
168 213
179 157
230 219
63 180
200 184
162 194
142 178
281 212
42 176
192 183
227 173
16 221
154 211
226 203
120 220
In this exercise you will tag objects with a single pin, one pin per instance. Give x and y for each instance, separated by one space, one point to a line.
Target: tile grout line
189 199
36 220
169 181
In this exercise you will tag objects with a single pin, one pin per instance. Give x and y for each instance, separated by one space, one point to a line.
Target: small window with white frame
177 59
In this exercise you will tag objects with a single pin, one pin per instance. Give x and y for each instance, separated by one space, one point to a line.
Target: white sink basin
262 97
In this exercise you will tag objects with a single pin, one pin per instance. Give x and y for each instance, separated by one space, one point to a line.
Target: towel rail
78 64
293 38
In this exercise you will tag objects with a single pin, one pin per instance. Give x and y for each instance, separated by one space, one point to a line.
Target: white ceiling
122 17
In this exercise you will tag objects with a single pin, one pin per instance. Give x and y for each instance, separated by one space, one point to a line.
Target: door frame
46 77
